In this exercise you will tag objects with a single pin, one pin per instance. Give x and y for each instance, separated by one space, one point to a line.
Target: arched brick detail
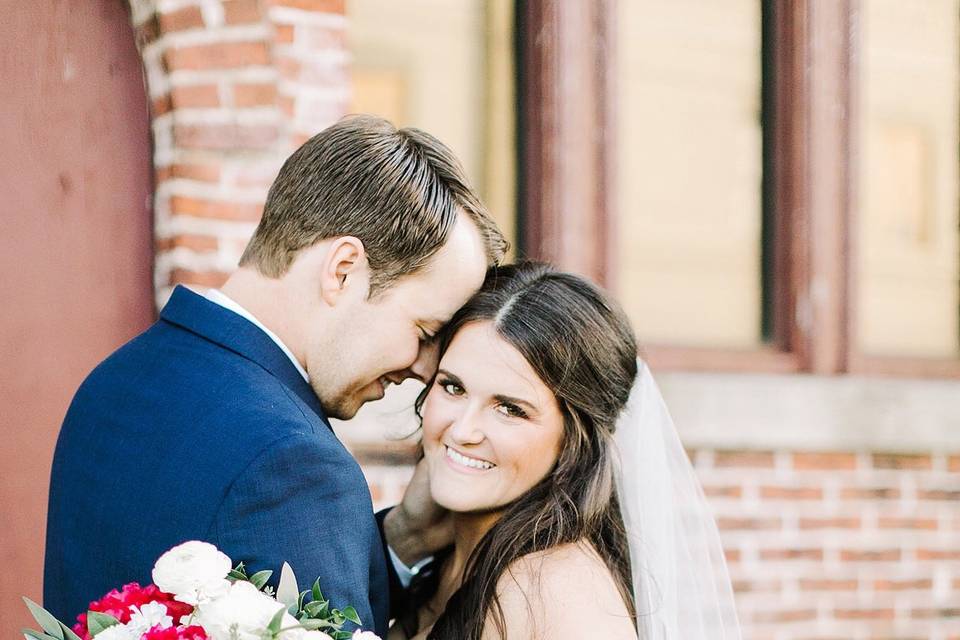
235 86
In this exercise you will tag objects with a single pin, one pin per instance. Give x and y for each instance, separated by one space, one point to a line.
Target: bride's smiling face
491 428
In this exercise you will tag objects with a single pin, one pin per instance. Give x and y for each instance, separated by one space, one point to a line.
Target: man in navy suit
213 424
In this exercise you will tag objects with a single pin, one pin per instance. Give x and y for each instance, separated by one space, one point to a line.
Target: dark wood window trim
566 131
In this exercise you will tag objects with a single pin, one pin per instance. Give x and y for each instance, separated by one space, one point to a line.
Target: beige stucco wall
446 67
689 170
909 178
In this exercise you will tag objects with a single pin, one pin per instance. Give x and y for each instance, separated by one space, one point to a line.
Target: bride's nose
465 428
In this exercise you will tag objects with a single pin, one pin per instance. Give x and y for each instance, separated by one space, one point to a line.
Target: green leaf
317 608
45 619
30 634
287 589
260 578
68 633
312 625
97 622
341 635
317 595
239 572
275 621
303 596
351 614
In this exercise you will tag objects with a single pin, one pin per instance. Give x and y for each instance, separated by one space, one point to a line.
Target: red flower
176 633
118 603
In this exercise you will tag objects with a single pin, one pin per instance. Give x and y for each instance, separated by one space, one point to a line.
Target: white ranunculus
193 572
150 615
242 613
118 632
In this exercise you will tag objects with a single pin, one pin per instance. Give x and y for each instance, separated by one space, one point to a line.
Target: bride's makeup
491 428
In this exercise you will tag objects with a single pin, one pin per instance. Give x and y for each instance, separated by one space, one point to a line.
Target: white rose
364 635
315 634
193 572
117 632
242 613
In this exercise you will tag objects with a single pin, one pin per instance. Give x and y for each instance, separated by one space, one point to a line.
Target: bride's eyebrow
449 376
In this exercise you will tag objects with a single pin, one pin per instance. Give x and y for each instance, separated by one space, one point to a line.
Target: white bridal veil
680 580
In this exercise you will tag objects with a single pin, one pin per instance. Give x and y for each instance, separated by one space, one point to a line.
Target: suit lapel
217 324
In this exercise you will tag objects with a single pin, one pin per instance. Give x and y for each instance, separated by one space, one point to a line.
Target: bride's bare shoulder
565 592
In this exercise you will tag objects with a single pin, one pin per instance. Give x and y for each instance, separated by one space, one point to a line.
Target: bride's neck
469 529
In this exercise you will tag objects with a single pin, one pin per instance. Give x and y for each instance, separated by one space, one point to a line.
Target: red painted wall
76 242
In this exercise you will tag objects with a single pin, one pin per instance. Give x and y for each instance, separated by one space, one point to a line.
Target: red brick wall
235 86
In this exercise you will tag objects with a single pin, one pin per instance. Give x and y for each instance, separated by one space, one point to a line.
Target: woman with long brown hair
519 438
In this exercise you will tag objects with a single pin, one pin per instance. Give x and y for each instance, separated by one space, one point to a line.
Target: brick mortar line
290 15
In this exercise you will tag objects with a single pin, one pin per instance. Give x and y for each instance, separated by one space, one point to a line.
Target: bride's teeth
468 462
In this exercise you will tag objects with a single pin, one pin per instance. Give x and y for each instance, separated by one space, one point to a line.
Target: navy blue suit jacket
201 428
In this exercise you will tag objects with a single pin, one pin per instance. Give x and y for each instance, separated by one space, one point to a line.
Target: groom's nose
424 366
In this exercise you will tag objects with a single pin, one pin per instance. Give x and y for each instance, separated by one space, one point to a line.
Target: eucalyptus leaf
30 634
45 619
68 633
260 578
97 622
287 589
276 621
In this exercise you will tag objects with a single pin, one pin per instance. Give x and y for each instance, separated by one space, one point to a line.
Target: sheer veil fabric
680 579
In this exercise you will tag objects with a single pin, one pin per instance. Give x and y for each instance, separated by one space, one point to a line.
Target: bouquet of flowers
198 596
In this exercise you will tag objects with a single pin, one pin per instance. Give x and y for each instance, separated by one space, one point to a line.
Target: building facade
771 188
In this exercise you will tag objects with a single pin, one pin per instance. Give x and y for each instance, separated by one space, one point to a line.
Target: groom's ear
343 270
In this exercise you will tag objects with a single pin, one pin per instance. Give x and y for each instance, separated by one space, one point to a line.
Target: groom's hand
418 526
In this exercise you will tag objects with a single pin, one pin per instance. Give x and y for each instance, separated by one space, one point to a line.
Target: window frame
567 70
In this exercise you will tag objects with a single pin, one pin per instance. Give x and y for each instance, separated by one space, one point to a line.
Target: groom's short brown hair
399 191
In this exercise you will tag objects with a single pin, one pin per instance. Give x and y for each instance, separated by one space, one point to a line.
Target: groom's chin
346 405
343 409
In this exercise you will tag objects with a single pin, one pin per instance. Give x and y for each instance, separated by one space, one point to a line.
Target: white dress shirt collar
220 298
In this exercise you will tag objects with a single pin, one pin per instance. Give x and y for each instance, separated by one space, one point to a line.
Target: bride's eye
511 410
451 388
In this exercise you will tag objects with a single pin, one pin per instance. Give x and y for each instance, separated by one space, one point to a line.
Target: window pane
464 96
908 271
690 168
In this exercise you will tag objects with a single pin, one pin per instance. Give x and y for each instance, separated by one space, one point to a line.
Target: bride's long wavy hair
580 344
